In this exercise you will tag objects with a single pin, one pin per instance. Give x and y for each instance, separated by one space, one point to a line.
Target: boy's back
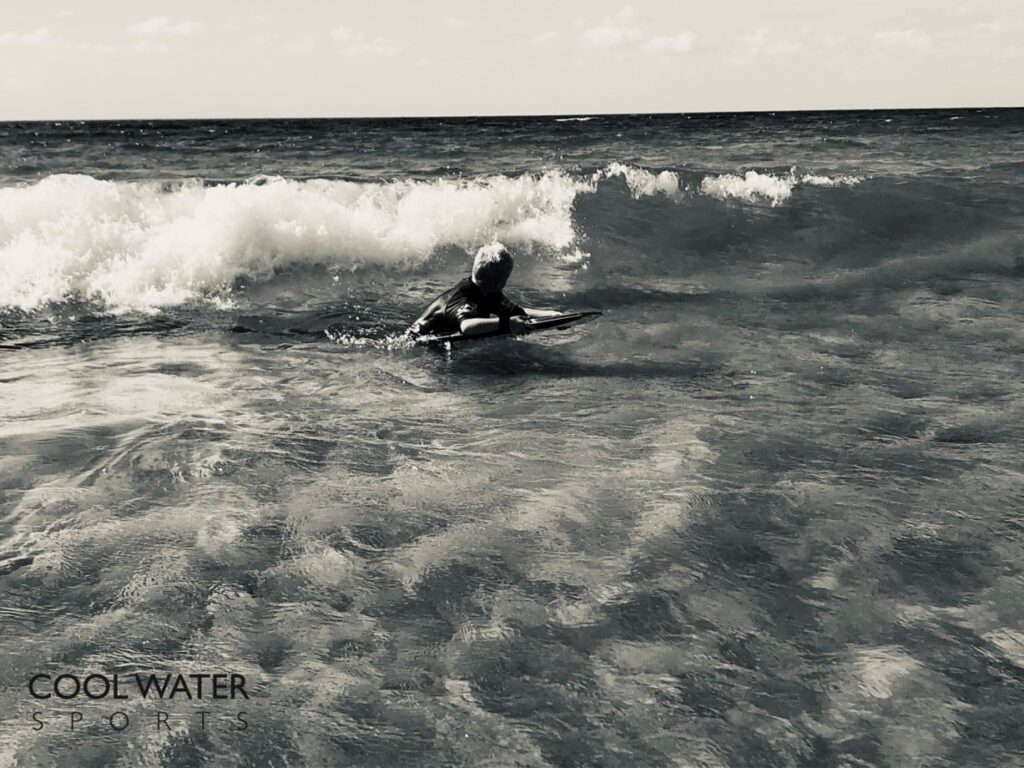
462 302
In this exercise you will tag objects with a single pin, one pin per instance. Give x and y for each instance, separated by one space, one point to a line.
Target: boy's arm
539 313
475 326
422 323
519 323
516 310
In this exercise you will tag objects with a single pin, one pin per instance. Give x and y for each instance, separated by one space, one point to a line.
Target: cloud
608 36
620 30
761 44
378 46
681 43
358 44
545 38
39 38
147 46
907 39
44 38
615 30
163 26
343 33
105 49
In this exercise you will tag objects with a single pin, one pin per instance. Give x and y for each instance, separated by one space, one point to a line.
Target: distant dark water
371 150
763 512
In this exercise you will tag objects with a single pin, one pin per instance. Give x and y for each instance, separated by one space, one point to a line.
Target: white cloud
761 43
147 46
607 36
44 38
358 44
545 38
378 46
343 34
102 48
163 26
615 30
457 22
909 39
681 43
38 38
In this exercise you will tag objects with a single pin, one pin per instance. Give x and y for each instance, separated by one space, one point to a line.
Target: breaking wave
142 245
642 183
753 187
147 245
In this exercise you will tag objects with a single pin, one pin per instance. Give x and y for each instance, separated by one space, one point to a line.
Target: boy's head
491 268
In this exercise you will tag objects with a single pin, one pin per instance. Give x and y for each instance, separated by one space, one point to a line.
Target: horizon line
522 116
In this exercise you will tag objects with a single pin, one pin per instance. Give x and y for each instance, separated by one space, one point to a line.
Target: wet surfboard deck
541 324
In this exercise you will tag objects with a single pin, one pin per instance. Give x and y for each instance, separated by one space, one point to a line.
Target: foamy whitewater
764 511
146 245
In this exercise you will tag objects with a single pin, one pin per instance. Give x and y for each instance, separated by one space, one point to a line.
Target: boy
476 304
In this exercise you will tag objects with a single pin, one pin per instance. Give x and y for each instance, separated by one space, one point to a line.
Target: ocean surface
766 511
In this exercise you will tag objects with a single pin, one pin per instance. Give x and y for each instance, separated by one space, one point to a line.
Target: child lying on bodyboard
476 306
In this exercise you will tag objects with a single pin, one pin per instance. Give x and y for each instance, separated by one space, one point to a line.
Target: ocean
765 511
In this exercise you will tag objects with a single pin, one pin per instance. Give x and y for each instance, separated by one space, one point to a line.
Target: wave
149 245
753 187
641 182
138 245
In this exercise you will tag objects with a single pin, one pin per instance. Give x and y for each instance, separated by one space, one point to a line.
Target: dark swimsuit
464 301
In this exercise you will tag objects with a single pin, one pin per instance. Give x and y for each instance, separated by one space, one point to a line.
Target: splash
139 246
754 187
143 246
641 182
830 181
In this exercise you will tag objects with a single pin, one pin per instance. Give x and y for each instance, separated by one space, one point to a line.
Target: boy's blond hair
492 267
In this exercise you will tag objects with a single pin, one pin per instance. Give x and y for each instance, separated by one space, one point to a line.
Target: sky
121 59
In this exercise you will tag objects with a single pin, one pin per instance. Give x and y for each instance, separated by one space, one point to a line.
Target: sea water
766 511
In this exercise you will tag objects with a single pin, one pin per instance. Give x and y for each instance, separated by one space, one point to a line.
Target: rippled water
764 512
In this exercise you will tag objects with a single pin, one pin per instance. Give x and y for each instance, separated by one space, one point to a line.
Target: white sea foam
830 181
144 246
751 187
575 258
642 183
754 187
